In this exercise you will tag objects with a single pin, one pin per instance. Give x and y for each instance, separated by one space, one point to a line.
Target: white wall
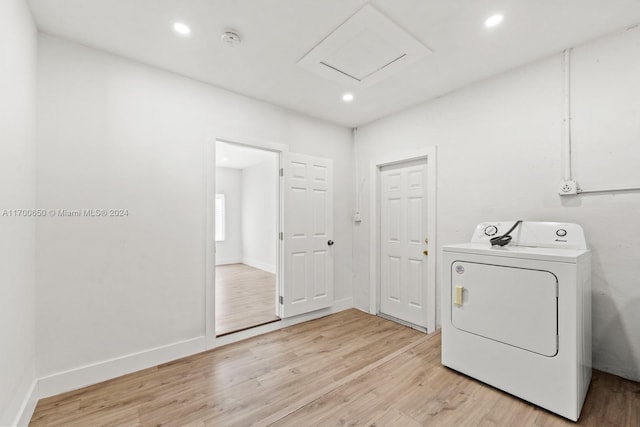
605 113
499 157
229 183
117 134
259 215
18 43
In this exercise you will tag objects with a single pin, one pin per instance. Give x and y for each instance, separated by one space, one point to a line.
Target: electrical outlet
568 188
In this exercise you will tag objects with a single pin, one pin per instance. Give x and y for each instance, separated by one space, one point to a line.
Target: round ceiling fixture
347 97
230 38
494 20
181 28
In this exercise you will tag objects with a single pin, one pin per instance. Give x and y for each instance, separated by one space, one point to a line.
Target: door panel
414 275
320 270
298 274
308 226
515 306
403 228
319 212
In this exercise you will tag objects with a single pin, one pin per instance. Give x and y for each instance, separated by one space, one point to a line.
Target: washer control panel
490 230
534 234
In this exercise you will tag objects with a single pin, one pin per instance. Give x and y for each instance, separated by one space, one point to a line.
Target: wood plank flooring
346 369
245 297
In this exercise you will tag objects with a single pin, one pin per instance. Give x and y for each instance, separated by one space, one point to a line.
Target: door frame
428 154
210 243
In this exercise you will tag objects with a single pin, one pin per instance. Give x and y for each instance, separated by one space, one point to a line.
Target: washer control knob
561 232
491 230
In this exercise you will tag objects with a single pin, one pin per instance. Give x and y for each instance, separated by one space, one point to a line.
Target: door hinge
281 236
281 171
281 299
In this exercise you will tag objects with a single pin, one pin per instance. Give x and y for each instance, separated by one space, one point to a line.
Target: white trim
428 153
209 221
74 379
630 374
209 247
339 305
28 405
226 261
403 322
253 143
94 373
269 268
220 218
282 161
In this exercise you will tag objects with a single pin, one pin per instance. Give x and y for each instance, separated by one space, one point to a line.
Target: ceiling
277 34
236 156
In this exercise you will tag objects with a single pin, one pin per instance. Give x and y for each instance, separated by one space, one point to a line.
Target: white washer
518 317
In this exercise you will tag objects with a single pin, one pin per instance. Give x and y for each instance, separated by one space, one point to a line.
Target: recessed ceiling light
181 28
225 159
347 97
494 20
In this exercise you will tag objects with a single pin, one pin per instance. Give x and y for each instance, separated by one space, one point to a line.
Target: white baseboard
28 405
73 379
364 310
226 261
422 329
17 411
629 374
270 268
340 305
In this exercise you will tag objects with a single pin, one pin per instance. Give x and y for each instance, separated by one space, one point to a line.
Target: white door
403 240
308 234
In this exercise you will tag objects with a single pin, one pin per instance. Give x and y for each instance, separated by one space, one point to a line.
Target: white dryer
518 317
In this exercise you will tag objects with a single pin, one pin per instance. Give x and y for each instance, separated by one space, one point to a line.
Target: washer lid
542 254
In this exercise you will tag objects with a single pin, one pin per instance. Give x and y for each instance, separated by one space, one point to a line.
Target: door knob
425 252
330 242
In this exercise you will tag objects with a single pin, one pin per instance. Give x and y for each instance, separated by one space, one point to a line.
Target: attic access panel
364 50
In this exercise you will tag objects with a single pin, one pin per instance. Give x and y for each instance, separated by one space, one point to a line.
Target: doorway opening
247 200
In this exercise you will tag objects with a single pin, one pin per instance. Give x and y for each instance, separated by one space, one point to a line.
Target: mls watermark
81 213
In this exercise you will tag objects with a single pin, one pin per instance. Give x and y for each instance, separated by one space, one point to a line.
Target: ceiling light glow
494 20
181 28
347 97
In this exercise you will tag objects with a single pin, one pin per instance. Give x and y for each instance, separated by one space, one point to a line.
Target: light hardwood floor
346 369
245 297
